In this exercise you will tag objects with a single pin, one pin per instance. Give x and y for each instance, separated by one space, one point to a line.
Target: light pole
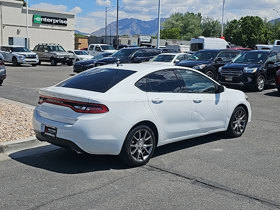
222 31
27 31
158 35
106 24
117 26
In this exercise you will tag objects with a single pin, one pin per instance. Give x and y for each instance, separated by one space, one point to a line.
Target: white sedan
80 55
170 58
130 109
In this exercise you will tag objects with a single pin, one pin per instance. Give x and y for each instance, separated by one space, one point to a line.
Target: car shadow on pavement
169 148
274 93
64 161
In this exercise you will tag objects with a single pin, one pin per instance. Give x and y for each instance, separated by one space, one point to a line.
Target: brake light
77 106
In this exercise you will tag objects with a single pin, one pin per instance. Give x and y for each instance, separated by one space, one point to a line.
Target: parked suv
209 61
3 73
252 69
18 55
130 55
53 53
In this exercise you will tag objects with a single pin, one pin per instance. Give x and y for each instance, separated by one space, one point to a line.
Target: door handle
197 100
157 101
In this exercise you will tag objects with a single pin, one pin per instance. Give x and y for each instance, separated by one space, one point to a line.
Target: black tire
260 83
1 82
34 64
70 63
139 146
278 90
15 62
39 63
238 122
53 62
211 74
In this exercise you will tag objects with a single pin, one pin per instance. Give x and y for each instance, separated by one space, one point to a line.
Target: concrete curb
17 145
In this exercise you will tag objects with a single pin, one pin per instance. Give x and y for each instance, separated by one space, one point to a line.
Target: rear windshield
96 79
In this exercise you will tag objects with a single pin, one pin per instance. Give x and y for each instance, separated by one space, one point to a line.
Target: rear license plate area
50 131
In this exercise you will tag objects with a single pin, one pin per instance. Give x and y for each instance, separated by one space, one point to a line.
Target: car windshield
204 55
56 48
20 49
163 58
97 79
81 52
125 52
107 47
251 57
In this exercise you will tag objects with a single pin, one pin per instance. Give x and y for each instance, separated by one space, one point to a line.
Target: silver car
18 55
3 73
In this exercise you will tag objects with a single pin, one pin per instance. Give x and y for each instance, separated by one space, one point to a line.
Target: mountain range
128 26
132 26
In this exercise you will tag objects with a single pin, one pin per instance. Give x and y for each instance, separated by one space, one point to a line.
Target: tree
210 27
185 26
247 32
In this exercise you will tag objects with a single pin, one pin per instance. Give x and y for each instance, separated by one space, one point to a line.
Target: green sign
37 19
49 20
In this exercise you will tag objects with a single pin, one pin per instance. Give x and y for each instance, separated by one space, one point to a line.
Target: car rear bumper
82 135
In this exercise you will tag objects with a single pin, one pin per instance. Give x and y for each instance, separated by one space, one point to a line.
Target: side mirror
219 59
220 89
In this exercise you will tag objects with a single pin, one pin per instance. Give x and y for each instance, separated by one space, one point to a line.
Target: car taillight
77 106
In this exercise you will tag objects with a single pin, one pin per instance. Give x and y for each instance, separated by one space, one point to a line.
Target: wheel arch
151 125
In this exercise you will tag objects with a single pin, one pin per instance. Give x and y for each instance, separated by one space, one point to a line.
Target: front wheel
15 62
1 82
70 63
210 74
238 122
53 62
139 146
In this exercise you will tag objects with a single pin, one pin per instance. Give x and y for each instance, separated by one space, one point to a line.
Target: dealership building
17 23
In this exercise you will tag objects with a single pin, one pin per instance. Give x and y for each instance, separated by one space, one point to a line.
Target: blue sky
90 14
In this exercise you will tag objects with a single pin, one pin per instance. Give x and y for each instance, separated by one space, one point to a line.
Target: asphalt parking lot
210 172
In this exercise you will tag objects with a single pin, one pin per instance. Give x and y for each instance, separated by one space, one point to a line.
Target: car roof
145 68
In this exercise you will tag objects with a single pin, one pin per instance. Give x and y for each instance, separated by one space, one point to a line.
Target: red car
277 80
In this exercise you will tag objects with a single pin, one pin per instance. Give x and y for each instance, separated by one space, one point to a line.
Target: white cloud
76 10
103 2
50 7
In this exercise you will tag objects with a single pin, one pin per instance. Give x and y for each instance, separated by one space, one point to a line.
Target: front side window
196 83
161 81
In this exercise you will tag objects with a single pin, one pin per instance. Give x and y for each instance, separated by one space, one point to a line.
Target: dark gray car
3 73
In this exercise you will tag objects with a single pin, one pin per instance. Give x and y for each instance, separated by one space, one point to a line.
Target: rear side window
97 79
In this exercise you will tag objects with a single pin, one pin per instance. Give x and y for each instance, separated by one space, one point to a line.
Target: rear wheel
15 62
238 122
260 83
139 146
53 62
1 82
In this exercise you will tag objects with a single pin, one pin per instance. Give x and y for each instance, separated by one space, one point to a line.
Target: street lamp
117 27
222 31
27 31
158 35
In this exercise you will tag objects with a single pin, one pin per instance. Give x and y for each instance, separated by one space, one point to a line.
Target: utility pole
117 25
106 24
158 35
222 32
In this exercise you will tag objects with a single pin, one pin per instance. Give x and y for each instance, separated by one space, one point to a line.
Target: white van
95 49
208 43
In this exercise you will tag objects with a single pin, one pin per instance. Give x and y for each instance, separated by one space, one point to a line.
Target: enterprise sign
49 20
